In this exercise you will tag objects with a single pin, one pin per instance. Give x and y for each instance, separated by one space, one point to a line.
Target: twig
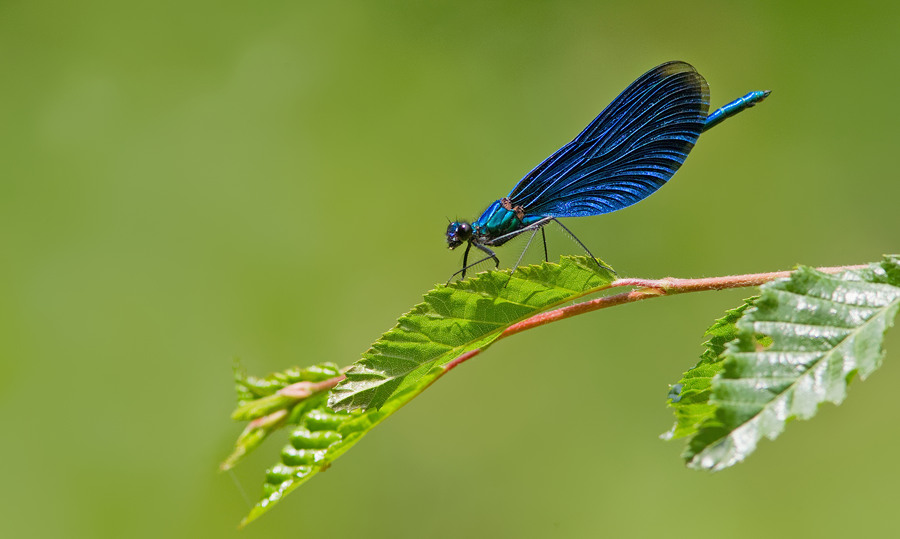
646 289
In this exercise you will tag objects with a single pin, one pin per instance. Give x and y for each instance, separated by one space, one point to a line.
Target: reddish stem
462 358
647 288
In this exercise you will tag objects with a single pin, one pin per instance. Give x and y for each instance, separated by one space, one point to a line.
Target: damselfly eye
457 233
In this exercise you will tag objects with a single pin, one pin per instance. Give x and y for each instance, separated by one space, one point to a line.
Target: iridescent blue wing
628 152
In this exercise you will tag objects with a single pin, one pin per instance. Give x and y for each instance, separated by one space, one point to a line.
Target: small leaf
823 330
251 388
260 402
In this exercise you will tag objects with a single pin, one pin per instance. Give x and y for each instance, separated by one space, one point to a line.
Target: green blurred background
185 183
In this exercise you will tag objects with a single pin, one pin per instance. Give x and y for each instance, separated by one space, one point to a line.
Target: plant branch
645 289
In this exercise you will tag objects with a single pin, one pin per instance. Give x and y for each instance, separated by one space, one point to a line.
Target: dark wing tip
675 66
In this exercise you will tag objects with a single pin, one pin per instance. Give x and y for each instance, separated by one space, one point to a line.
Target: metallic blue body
497 221
734 107
624 155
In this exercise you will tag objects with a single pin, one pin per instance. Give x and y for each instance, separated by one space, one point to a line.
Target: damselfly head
458 232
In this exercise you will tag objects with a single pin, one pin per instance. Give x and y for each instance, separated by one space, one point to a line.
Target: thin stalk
644 289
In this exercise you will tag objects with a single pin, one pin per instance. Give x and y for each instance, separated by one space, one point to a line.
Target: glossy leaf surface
820 330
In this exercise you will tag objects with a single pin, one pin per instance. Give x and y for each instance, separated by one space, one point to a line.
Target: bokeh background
184 183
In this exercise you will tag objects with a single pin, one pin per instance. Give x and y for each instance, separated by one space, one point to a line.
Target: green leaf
311 447
458 318
250 388
261 401
452 320
823 330
689 397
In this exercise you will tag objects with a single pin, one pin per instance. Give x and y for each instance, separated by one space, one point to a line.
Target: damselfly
628 152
